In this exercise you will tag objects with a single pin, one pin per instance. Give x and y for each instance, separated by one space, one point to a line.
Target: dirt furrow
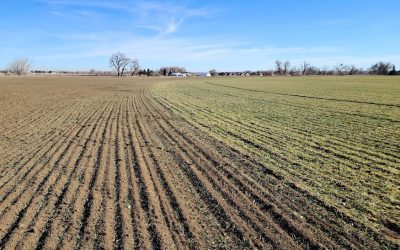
137 213
54 132
230 174
173 211
69 222
231 200
28 178
334 212
150 199
61 173
125 225
86 208
43 154
32 133
59 214
213 196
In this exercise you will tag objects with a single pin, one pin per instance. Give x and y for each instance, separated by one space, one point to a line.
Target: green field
336 138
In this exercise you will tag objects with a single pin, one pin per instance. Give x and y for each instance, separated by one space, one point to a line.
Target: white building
204 74
178 75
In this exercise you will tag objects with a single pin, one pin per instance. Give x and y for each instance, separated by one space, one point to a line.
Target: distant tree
142 72
330 72
154 73
135 67
286 66
278 67
119 62
20 66
171 69
353 70
93 72
294 71
312 70
304 67
393 72
380 68
213 72
341 69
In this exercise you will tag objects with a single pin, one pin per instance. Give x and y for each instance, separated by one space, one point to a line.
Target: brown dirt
99 163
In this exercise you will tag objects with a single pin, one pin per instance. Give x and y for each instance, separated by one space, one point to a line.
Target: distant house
204 74
177 74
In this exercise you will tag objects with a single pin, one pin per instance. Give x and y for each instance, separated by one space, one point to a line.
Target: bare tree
20 66
304 67
135 67
353 70
118 62
286 66
341 69
313 70
278 67
295 71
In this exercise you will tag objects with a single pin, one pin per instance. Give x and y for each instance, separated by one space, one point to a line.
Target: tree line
122 65
120 61
305 68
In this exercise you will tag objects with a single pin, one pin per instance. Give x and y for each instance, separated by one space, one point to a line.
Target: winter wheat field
267 162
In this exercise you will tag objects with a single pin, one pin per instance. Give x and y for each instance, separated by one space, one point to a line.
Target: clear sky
199 35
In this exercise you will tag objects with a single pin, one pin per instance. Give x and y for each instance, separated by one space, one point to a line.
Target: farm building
178 74
204 74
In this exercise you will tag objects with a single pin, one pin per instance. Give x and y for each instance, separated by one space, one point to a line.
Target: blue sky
199 35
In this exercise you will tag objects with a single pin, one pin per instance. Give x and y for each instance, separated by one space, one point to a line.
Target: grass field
275 162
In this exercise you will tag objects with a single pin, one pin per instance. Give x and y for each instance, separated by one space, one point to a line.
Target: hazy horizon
199 35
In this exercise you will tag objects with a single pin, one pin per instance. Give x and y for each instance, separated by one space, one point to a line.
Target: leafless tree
278 67
286 66
341 69
312 70
353 70
119 62
135 67
304 67
294 71
20 66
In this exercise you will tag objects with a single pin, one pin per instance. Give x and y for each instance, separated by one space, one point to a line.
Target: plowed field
131 163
